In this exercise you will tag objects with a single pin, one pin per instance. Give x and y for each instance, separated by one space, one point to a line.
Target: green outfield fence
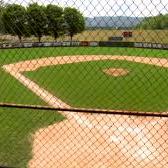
84 84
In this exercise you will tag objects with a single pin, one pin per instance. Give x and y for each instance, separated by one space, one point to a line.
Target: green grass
14 55
16 126
85 85
13 91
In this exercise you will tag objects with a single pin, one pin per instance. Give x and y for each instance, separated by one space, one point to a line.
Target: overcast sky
91 8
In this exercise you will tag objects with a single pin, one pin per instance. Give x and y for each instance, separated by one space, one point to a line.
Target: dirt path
99 141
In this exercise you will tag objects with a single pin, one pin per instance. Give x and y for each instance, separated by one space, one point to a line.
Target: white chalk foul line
46 96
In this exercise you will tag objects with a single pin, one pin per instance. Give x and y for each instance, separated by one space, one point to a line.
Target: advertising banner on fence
93 43
151 45
85 43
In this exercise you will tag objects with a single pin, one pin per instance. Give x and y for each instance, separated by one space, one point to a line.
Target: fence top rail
83 110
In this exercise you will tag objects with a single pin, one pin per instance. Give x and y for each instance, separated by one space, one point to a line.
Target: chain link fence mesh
84 84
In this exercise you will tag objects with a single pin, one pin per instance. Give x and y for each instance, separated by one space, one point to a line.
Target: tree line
1 12
159 22
40 20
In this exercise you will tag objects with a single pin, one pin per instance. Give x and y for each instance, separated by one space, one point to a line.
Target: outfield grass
16 126
8 56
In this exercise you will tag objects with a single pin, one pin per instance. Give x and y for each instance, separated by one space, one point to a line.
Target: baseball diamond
84 84
90 78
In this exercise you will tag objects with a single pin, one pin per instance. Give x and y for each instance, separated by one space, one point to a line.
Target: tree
158 22
2 29
37 20
14 20
55 20
164 22
74 21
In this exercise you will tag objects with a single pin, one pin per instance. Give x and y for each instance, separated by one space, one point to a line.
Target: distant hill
113 22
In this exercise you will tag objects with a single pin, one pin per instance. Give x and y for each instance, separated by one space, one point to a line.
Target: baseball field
125 79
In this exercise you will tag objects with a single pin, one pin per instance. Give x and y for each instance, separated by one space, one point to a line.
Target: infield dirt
116 72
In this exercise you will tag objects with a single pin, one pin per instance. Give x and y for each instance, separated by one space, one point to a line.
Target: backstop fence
84 84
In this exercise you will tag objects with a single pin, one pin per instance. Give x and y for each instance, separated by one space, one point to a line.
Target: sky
92 8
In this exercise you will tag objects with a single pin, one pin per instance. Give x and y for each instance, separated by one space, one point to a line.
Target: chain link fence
84 84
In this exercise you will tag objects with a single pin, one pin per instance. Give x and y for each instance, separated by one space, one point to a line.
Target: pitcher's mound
116 72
